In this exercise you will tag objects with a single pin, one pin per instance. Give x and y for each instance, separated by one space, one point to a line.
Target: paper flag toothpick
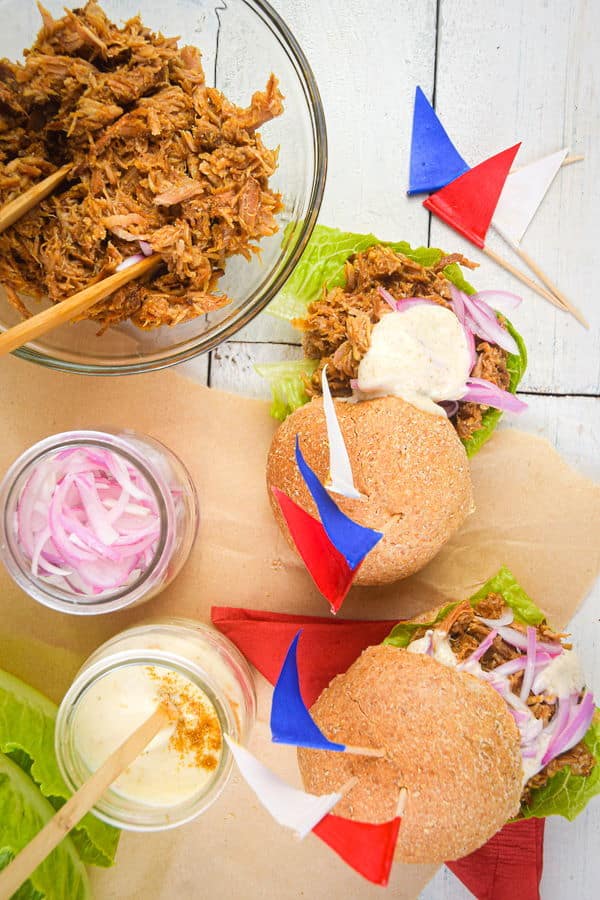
326 565
434 160
522 194
341 480
291 722
468 203
289 806
352 540
368 848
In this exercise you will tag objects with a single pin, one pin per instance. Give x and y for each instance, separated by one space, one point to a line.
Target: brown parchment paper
534 514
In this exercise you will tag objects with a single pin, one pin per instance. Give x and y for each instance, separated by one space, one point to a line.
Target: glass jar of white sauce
182 772
95 521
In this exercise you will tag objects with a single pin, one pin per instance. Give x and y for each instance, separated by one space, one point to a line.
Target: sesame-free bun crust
448 738
409 464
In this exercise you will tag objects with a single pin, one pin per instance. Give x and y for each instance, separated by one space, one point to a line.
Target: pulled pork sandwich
483 714
162 164
410 468
390 320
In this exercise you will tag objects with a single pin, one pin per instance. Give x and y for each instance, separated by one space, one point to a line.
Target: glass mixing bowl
242 42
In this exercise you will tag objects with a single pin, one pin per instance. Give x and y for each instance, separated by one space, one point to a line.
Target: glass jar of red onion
95 521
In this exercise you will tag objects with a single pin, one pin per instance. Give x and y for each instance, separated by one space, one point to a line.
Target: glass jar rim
147 818
110 601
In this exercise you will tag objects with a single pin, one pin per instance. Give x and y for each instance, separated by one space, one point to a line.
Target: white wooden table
499 72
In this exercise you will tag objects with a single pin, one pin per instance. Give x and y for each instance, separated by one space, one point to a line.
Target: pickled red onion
87 521
478 390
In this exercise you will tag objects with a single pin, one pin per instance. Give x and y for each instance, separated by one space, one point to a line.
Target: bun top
450 740
410 466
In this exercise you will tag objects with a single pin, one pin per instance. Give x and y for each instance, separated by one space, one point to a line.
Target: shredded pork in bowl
206 149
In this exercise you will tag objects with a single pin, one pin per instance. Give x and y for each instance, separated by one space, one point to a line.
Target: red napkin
509 866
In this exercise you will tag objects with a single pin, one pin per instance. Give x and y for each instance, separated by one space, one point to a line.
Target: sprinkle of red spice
197 732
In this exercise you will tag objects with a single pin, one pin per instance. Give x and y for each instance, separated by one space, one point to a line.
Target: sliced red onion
518 639
478 390
391 301
519 663
130 261
87 521
575 724
505 619
478 653
471 347
530 665
474 312
354 384
146 248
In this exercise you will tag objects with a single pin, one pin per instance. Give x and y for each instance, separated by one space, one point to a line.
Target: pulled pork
466 632
337 328
157 157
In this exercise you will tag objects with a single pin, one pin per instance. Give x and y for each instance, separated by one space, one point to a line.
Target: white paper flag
340 470
522 194
289 806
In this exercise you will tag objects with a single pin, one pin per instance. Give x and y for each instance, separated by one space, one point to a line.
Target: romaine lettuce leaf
504 582
27 735
287 385
23 813
323 263
565 794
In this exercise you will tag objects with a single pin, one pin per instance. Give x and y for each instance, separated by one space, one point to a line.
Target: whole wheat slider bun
448 738
410 465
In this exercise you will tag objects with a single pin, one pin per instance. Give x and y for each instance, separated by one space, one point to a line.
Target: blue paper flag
291 722
434 160
352 540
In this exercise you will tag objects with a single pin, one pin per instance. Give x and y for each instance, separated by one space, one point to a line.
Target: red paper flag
368 848
468 203
326 565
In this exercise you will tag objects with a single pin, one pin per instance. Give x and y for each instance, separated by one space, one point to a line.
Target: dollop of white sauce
420 354
440 647
114 707
533 764
561 677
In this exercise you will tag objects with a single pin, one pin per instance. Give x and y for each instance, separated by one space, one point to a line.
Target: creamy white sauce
533 764
163 775
561 677
440 647
420 355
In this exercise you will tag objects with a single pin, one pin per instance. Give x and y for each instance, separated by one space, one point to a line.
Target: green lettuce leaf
23 813
323 263
27 721
402 633
565 794
287 385
504 583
